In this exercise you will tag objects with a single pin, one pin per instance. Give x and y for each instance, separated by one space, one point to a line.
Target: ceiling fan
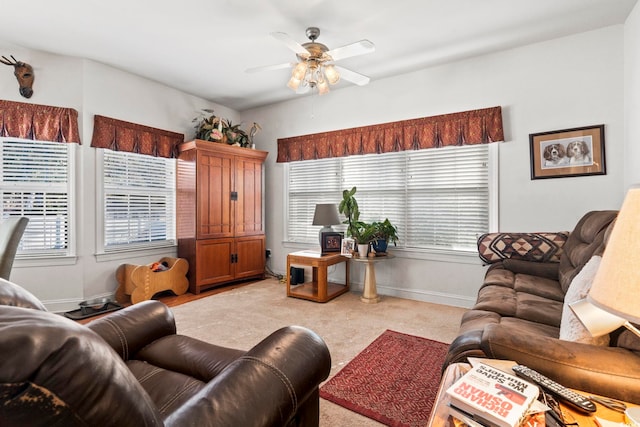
315 67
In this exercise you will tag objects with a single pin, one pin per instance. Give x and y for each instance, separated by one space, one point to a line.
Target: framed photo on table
330 242
348 246
568 152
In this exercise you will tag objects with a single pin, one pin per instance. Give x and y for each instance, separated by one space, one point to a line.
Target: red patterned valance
119 135
465 128
38 122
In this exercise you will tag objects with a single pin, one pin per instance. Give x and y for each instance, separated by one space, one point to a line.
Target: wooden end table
319 289
440 414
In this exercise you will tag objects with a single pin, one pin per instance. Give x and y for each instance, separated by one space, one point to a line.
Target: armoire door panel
215 208
249 187
213 257
250 256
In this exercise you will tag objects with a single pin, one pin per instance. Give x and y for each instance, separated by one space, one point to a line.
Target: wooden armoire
219 213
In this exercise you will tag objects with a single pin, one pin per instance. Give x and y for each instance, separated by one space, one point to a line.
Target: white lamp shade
616 286
596 320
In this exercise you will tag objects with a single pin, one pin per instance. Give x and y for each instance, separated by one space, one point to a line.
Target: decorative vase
363 249
380 245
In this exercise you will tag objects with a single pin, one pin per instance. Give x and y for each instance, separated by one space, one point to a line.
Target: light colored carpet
241 317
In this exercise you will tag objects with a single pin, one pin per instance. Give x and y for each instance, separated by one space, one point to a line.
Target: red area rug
393 381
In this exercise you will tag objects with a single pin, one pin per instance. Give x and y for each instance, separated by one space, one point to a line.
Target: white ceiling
202 47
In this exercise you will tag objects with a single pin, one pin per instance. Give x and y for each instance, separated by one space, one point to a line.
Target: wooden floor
172 300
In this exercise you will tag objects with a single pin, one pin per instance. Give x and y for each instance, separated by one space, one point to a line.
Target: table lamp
614 297
326 214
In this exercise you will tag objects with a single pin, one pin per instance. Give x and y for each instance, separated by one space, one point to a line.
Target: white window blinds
311 182
36 183
438 198
139 200
448 197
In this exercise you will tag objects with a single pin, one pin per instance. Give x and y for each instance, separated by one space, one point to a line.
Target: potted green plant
349 207
362 232
384 233
365 234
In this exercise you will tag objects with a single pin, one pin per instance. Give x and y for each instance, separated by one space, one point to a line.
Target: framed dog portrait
568 152
330 242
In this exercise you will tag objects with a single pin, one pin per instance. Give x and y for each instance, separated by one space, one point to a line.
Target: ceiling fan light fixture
314 67
299 71
318 76
323 87
294 83
331 74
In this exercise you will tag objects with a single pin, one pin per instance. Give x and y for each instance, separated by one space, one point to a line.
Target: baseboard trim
453 300
428 296
64 305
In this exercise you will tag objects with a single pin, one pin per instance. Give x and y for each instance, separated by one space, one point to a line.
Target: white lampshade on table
616 286
596 320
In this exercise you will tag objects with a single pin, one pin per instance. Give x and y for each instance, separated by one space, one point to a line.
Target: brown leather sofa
517 317
130 368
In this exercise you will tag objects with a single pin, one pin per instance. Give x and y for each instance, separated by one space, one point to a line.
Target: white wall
563 83
94 88
632 97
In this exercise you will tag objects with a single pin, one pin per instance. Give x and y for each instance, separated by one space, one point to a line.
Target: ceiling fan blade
290 43
269 67
353 49
352 76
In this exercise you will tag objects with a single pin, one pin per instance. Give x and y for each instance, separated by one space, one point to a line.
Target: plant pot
363 249
380 246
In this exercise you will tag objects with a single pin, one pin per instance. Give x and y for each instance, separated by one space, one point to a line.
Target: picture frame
348 246
568 152
330 242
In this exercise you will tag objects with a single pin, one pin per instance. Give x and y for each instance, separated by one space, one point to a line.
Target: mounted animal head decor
24 74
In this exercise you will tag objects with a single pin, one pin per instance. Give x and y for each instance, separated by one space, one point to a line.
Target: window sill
137 252
442 255
44 261
458 257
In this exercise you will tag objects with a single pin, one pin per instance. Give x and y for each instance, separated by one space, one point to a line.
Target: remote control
573 399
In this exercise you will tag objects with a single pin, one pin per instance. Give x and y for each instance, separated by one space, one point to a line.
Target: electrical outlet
267 253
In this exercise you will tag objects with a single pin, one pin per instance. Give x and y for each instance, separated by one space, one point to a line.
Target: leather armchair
131 368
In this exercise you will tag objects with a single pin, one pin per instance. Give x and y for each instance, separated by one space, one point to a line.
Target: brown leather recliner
130 368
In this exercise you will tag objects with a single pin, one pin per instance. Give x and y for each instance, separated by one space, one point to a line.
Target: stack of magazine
488 397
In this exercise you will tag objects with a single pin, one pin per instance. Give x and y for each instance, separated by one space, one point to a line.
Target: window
36 182
139 200
438 198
